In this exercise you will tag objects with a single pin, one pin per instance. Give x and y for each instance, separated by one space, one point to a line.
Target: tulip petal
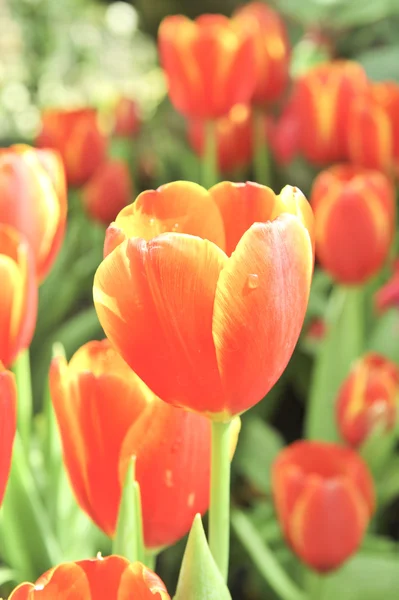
260 304
104 576
140 583
155 303
8 422
64 582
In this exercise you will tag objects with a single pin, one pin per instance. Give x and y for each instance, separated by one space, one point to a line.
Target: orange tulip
209 64
284 134
108 191
324 496
77 137
33 200
127 118
324 96
354 212
388 295
18 297
386 95
113 577
8 417
369 396
272 54
106 415
233 138
212 332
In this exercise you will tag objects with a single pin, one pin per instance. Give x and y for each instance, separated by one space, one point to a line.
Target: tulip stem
261 153
209 159
263 558
219 510
315 585
22 373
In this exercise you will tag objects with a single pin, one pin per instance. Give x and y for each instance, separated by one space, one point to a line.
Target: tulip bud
33 200
354 211
111 577
324 498
79 140
18 305
209 64
368 397
233 138
127 120
108 191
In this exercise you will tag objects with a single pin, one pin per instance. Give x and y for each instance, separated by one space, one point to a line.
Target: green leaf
200 578
258 445
384 337
381 64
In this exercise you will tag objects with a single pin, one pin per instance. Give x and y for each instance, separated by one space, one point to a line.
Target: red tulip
108 191
79 140
8 420
113 578
209 64
127 118
18 298
386 95
272 55
368 397
233 138
324 497
106 415
219 328
354 211
33 200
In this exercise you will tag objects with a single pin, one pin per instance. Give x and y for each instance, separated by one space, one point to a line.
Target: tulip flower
213 329
368 397
33 200
272 55
233 138
284 134
386 95
127 120
388 295
112 577
354 211
209 64
324 497
79 140
18 297
108 191
8 416
324 96
106 415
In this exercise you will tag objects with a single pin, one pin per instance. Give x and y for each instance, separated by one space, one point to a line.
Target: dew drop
175 227
252 281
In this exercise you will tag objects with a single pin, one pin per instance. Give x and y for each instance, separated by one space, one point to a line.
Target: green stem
263 558
209 159
315 583
219 510
22 373
261 154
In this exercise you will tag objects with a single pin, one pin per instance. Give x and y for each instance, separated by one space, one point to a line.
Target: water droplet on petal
252 281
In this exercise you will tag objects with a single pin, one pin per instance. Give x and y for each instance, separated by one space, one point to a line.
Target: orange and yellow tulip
324 496
323 100
127 119
108 191
77 137
272 51
354 211
233 134
215 319
33 200
18 297
106 415
8 418
209 64
113 577
368 397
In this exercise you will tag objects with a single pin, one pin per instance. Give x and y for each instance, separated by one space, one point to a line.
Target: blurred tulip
219 329
8 420
106 415
127 118
112 577
368 397
233 138
388 295
323 98
18 297
386 95
283 134
79 140
272 51
108 191
33 200
317 330
209 64
324 496
354 211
